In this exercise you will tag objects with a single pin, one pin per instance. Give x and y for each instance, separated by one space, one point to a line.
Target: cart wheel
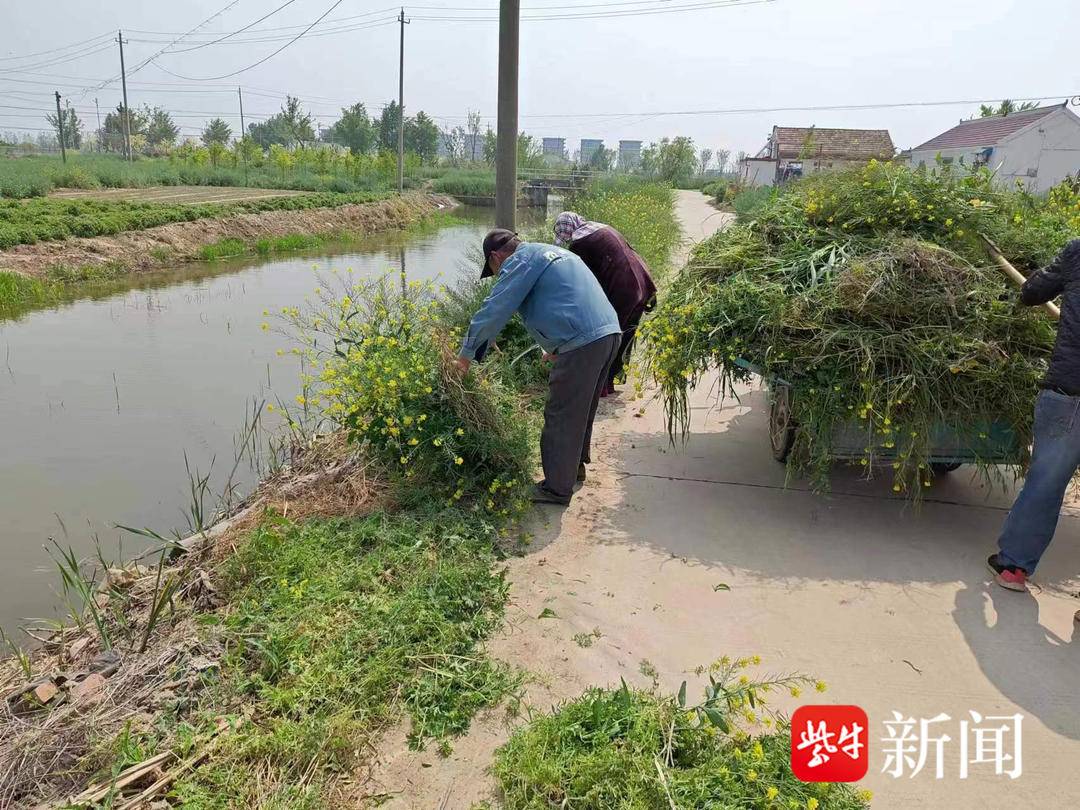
781 425
941 467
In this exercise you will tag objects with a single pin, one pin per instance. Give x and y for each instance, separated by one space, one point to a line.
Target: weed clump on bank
384 371
640 750
870 293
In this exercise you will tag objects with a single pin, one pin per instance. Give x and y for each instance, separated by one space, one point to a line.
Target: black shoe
1007 576
581 471
541 494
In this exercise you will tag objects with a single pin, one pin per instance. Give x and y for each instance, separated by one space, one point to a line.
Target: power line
319 33
322 31
174 42
239 30
72 57
106 35
662 8
256 64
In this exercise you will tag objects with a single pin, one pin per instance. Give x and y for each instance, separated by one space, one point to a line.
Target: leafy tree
247 152
281 158
1007 107
704 159
422 137
529 152
722 158
455 145
355 130
114 126
472 126
73 135
216 151
291 126
491 142
602 160
388 128
673 160
217 131
160 131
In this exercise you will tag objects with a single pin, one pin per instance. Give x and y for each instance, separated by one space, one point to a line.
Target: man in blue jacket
566 312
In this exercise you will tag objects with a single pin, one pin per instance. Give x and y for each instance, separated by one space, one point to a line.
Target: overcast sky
600 78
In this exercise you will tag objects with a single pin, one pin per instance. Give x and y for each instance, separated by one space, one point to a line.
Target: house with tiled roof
792 152
1037 147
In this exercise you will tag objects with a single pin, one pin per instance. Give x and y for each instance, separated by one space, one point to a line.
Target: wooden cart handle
1015 275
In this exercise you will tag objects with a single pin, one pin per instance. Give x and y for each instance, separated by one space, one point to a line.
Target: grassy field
187 195
45 219
36 176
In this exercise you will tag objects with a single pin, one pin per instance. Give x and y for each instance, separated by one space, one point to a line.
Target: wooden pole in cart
1015 275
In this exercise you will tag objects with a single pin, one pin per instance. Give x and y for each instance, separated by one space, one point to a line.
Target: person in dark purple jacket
621 272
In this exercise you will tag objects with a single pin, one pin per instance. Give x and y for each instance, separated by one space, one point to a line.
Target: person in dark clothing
622 274
1055 455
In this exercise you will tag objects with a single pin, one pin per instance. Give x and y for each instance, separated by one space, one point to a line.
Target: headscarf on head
570 226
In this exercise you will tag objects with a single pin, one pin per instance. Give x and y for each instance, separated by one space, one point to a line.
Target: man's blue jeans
1055 456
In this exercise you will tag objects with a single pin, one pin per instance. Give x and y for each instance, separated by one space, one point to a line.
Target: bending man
622 274
566 312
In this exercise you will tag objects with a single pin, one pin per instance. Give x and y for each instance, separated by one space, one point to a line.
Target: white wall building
792 152
1037 147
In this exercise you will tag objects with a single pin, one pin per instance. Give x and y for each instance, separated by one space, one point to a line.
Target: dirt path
890 606
169 245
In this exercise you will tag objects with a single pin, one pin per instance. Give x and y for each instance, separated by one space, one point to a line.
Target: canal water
101 399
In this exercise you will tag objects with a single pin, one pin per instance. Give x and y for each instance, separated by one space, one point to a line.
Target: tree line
153 132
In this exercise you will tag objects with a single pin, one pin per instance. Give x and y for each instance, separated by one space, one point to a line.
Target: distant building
792 152
629 155
589 148
554 147
1037 147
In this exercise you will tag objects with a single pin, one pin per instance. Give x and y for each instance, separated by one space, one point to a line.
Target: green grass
40 220
624 749
643 211
222 249
19 293
466 183
335 630
749 203
36 176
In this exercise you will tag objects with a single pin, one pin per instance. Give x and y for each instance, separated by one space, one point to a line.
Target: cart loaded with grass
871 304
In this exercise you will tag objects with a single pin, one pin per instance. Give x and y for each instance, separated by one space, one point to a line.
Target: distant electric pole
507 127
123 84
401 107
97 111
60 126
243 129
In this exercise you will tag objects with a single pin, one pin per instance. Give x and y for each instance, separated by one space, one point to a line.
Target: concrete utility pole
60 126
401 107
97 111
507 129
243 129
123 83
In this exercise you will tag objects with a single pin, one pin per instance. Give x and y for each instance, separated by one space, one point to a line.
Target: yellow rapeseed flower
459 461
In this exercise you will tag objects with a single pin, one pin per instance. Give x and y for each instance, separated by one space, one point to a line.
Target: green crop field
300 169
40 220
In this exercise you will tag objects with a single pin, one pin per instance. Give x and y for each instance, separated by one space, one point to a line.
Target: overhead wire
266 16
255 64
663 7
106 35
72 57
